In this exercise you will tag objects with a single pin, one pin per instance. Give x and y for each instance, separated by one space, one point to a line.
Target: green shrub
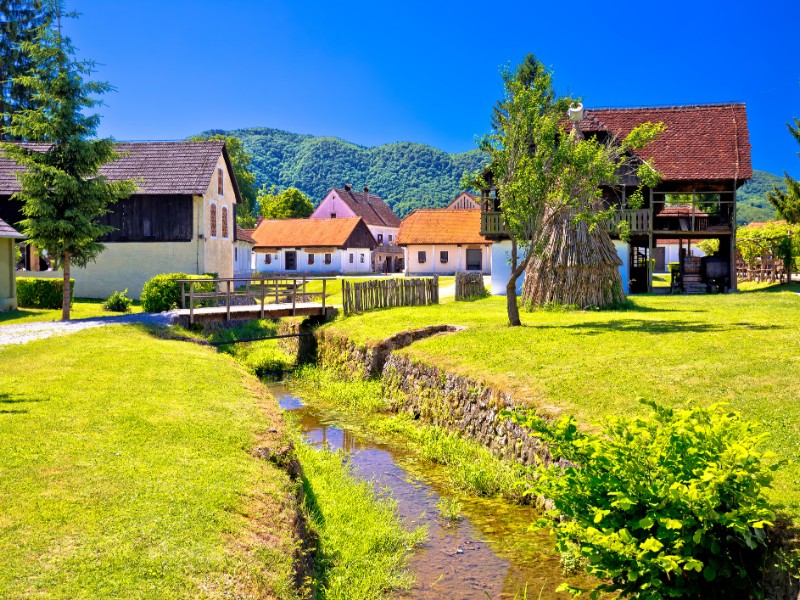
35 292
163 292
668 506
118 302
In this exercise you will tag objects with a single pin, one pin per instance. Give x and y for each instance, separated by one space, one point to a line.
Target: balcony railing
638 220
492 224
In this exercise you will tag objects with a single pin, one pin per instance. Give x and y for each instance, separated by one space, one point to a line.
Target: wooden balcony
492 225
638 220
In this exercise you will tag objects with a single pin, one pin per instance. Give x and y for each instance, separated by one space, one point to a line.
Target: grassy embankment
126 471
679 350
82 308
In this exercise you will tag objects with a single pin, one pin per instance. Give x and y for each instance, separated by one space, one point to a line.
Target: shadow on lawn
596 328
778 287
6 398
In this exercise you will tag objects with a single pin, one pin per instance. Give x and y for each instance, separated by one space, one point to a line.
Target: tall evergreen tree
19 20
63 193
788 203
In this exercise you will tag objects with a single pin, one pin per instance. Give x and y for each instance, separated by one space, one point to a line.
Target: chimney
366 189
347 187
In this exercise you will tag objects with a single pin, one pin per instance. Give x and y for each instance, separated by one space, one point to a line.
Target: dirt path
20 334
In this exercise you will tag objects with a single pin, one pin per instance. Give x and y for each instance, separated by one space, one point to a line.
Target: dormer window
220 183
333 215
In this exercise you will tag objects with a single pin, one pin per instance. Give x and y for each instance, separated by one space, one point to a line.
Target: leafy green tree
63 193
668 506
19 20
241 161
787 202
288 204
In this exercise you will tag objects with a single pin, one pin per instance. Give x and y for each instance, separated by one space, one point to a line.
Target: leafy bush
163 292
668 506
118 302
35 292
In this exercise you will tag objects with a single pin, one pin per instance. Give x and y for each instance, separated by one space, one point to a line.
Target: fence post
435 289
294 296
191 303
324 281
263 299
228 298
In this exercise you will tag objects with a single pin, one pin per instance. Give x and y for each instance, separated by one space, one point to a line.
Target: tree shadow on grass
6 398
777 287
656 327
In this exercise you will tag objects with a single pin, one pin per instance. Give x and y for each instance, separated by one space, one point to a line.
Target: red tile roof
309 233
159 167
245 235
369 207
441 226
680 211
709 142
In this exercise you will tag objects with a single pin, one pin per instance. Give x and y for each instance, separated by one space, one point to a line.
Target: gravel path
20 334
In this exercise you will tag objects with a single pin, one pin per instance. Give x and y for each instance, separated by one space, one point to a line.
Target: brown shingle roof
7 231
708 142
159 167
441 226
307 233
369 207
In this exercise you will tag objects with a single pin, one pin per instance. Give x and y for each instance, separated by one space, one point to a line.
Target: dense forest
405 174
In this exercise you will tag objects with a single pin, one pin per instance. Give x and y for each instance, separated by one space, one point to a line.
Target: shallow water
489 553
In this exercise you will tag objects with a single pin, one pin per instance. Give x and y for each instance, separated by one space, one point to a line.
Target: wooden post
191 303
228 302
294 296
324 281
436 289
263 299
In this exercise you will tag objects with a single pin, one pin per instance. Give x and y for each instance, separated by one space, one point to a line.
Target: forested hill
751 200
405 174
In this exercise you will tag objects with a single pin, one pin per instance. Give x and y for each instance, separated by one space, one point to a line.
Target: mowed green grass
743 349
82 308
126 472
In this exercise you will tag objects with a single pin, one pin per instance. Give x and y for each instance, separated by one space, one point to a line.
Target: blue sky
378 72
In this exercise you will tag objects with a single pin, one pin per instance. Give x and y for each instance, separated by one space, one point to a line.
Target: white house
379 218
313 246
443 242
8 263
243 252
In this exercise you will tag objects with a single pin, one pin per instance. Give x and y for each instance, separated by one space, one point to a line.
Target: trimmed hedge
35 292
163 292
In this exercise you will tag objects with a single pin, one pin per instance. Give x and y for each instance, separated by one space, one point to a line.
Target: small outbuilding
8 266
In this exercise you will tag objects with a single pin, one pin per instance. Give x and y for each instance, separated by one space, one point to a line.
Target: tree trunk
511 286
65 299
576 266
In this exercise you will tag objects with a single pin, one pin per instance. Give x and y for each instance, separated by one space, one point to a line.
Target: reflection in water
489 553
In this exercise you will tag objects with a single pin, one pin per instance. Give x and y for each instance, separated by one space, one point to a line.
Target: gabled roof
470 196
245 235
369 207
441 226
158 167
311 233
680 211
7 231
701 142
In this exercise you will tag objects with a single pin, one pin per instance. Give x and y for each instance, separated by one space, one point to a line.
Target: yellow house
8 263
181 219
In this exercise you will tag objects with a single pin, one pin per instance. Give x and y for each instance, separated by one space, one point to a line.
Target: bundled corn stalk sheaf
573 265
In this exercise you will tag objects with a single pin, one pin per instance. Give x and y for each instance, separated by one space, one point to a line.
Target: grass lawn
126 471
743 349
82 308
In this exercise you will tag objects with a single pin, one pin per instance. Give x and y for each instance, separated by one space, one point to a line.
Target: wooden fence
469 285
360 297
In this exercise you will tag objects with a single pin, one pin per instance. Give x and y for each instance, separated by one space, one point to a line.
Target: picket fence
358 297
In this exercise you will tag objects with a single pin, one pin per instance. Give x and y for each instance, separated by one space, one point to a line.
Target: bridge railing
225 292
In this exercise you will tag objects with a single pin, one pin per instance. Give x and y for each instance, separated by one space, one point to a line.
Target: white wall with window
314 260
446 259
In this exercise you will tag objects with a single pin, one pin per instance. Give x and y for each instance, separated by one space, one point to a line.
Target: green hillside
751 200
405 174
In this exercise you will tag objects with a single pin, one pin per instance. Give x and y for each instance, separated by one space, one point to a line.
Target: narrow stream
489 553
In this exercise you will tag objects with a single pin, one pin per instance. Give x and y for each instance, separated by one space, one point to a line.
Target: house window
421 257
474 259
220 182
213 219
311 259
328 258
225 222
333 215
380 238
236 254
351 258
268 259
390 237
444 257
362 258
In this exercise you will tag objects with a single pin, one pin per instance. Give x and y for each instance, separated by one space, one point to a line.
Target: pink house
379 218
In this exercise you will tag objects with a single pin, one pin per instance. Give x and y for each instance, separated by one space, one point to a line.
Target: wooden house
8 266
313 246
703 158
444 241
181 219
379 218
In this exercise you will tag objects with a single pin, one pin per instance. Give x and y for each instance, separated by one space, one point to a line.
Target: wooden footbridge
234 299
